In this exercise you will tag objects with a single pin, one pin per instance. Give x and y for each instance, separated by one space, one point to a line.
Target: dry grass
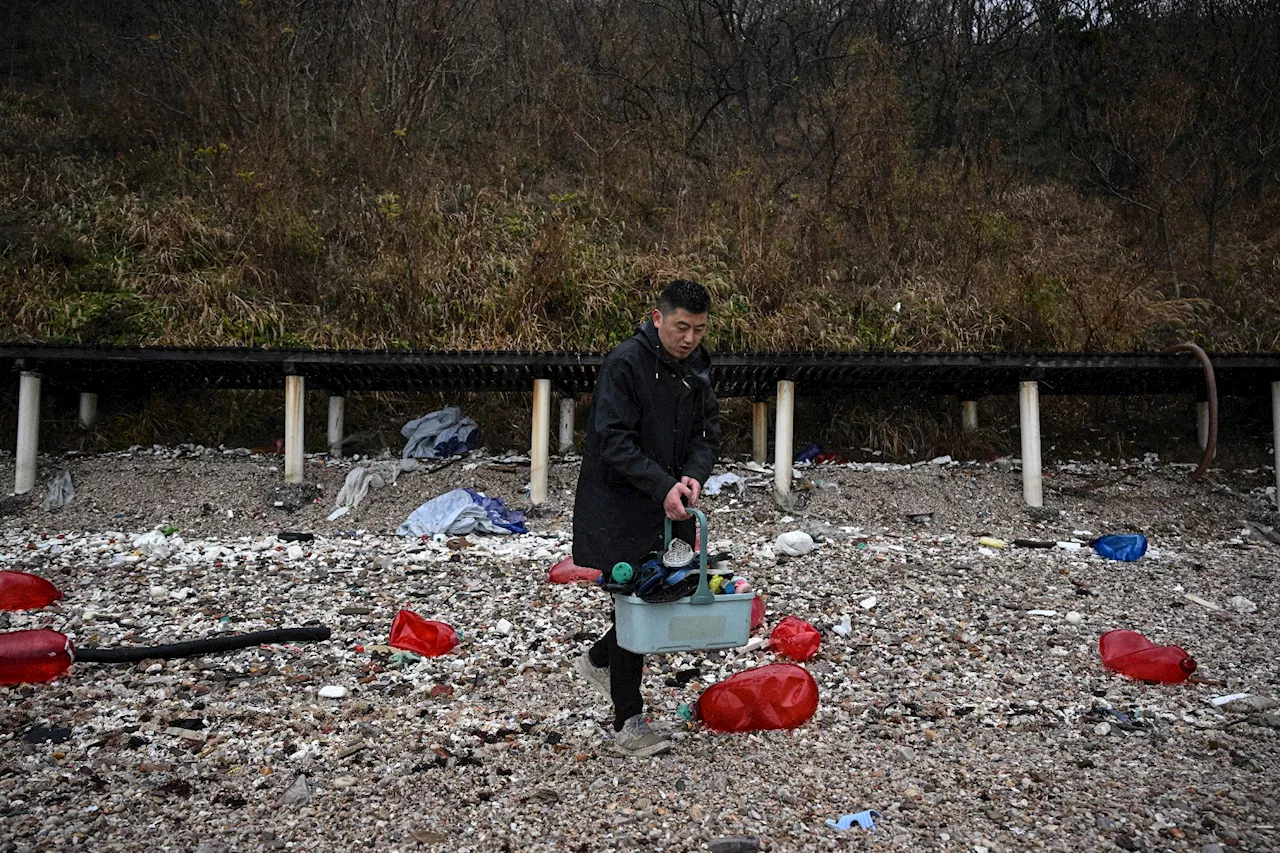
242 244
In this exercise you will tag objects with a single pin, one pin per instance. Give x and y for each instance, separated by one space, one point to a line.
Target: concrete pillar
968 415
337 408
295 395
88 409
24 478
541 449
760 431
1029 419
1202 424
1275 434
783 452
566 424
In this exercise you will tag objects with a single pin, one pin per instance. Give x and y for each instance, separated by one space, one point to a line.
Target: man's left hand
695 487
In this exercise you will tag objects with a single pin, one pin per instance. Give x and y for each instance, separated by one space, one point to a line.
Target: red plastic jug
425 636
775 696
795 638
21 591
1132 654
567 571
33 656
757 611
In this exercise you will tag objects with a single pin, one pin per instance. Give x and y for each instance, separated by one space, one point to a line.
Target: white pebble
1073 617
1103 729
332 691
503 627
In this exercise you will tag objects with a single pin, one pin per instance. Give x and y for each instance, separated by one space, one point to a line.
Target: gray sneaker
596 676
637 740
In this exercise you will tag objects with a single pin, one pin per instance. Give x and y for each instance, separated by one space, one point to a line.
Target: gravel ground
968 722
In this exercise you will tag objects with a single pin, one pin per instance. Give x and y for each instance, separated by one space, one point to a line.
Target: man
652 438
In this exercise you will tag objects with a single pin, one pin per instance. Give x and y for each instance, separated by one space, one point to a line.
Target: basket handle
704 595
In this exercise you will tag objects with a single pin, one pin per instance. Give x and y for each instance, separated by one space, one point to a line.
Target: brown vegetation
473 174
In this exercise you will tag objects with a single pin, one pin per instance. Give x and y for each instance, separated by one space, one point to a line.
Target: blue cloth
498 513
1126 547
440 434
459 512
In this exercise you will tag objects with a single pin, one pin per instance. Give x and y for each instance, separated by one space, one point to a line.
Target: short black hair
685 294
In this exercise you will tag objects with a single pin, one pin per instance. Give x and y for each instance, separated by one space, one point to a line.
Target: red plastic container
757 611
1132 654
427 637
567 571
775 696
21 591
795 638
28 657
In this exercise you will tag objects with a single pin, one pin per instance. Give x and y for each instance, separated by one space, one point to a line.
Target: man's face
680 331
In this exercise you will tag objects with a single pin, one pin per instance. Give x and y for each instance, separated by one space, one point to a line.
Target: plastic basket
704 620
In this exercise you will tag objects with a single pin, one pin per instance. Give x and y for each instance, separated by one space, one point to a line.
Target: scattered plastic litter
795 543
757 611
427 637
844 627
462 511
567 571
1203 602
1219 701
1132 654
795 638
24 591
61 492
332 691
32 657
715 483
774 696
865 819
1125 547
992 542
1240 604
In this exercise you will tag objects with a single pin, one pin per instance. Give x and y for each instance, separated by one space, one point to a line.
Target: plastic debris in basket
703 620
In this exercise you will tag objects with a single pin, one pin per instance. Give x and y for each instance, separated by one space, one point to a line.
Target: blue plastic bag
809 453
1126 547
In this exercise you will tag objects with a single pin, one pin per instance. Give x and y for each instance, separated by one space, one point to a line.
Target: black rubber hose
212 645
1211 444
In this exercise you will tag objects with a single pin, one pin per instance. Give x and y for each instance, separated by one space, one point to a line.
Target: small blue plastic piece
864 819
1125 547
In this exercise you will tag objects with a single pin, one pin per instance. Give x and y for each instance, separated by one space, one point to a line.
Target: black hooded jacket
654 419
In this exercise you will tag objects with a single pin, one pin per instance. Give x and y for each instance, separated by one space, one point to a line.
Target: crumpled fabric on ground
360 480
462 511
440 434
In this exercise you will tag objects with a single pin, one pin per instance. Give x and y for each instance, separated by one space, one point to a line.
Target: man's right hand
673 503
